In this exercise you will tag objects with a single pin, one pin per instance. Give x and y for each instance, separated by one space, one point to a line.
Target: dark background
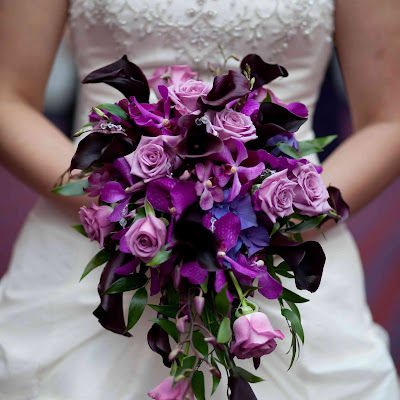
376 228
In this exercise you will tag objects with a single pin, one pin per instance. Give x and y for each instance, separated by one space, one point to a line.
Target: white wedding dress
51 345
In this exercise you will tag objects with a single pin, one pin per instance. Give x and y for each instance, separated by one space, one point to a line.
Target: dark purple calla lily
193 241
273 119
240 389
306 260
197 142
100 148
109 312
226 88
124 76
262 72
338 204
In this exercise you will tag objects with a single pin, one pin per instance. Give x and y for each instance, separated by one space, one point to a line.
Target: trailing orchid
193 196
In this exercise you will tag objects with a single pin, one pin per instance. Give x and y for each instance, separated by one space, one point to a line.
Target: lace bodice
295 33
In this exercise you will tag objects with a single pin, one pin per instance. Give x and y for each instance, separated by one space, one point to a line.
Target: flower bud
214 371
174 353
180 323
199 302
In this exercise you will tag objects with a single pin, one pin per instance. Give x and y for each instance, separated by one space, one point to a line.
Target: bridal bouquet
196 197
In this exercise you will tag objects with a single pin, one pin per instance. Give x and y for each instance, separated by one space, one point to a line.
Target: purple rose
167 391
170 76
186 94
97 180
151 160
311 195
145 238
231 124
276 195
254 336
95 222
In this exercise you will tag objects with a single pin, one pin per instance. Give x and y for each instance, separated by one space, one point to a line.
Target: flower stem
238 289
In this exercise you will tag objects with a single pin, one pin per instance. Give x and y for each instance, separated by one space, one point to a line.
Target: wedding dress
53 348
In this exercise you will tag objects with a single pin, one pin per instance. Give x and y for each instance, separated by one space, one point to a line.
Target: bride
51 346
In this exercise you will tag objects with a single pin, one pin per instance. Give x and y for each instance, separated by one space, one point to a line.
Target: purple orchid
205 187
155 118
97 180
171 195
245 272
233 169
113 192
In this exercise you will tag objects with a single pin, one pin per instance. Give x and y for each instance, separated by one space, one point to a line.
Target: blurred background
376 228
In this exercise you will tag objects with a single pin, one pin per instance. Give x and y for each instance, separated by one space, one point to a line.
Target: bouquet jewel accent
195 195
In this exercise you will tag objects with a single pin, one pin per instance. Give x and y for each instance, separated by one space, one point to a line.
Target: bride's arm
368 44
30 146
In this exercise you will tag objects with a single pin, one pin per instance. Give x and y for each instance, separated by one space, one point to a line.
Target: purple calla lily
262 72
124 76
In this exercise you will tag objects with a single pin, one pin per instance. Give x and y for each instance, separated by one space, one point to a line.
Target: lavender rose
311 195
276 195
170 76
230 124
167 391
254 336
186 94
151 159
95 222
145 238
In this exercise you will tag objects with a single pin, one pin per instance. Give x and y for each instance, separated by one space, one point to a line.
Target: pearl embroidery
195 28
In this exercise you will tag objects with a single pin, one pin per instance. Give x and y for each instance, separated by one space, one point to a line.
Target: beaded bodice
295 33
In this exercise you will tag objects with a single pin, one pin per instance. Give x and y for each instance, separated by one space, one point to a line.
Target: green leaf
283 269
115 110
187 363
126 283
267 98
224 331
293 297
198 385
294 321
148 208
136 307
275 228
99 259
215 379
306 225
222 301
200 344
141 213
294 308
247 376
317 145
167 310
288 150
160 257
80 229
168 327
89 124
204 285
72 188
